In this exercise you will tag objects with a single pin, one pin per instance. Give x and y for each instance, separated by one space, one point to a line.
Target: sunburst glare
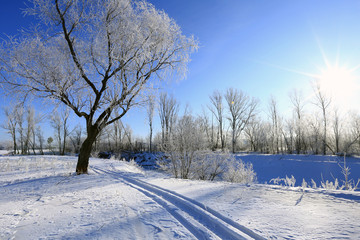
340 83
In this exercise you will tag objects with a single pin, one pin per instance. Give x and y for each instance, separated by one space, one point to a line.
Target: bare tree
41 139
241 109
56 124
337 129
298 106
208 129
354 133
323 102
275 120
65 129
20 120
118 134
168 110
94 57
75 138
59 121
30 130
150 108
217 109
128 136
11 124
288 135
314 135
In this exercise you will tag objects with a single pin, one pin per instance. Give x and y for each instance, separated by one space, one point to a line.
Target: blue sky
256 46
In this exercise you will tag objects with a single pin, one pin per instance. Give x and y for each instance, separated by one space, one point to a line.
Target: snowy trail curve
201 221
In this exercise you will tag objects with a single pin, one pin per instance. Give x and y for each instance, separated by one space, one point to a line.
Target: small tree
186 140
95 57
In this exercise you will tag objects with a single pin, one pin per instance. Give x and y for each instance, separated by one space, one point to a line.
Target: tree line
231 121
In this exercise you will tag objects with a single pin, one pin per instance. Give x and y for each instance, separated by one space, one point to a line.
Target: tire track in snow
204 216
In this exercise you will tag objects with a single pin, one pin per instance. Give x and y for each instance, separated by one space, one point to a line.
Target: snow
41 198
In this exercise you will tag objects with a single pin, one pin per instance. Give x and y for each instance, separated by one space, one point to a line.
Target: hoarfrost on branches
95 57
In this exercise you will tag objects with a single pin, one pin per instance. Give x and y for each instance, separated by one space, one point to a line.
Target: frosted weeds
289 182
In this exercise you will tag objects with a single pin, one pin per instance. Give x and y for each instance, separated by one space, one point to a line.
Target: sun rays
336 79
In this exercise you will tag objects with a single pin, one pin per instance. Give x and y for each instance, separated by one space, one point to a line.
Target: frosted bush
238 171
209 165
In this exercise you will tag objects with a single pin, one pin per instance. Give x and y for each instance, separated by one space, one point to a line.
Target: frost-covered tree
208 129
168 108
314 134
59 121
217 108
150 109
186 140
296 99
276 125
242 109
40 139
337 132
11 124
323 101
257 135
93 56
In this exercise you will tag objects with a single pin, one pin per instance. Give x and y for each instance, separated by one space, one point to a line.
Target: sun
339 83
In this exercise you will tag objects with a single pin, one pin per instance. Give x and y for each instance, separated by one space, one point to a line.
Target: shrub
238 171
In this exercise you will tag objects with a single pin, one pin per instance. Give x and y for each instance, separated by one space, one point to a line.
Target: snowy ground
41 198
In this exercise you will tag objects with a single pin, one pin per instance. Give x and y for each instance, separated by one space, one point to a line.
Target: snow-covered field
41 198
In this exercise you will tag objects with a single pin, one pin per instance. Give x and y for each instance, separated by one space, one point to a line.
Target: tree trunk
14 140
85 151
151 133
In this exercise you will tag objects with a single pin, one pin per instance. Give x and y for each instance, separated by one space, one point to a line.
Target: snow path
79 207
177 205
276 212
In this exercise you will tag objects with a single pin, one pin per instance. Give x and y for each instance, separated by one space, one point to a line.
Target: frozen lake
301 167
